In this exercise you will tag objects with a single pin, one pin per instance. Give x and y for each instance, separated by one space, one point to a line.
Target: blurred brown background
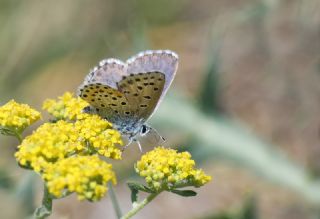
245 101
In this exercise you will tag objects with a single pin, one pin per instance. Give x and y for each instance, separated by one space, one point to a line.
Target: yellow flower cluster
166 168
86 175
17 116
55 141
49 143
98 134
66 107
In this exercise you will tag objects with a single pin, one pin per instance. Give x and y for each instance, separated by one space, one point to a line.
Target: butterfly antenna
163 139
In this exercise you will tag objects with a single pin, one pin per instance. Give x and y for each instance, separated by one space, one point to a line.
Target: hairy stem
138 206
45 210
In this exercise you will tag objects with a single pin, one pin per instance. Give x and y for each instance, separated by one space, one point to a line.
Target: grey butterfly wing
109 72
163 61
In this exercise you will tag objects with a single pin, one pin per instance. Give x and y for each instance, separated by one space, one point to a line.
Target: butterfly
128 93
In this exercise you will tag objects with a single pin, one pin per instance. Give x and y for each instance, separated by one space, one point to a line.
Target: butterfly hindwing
143 92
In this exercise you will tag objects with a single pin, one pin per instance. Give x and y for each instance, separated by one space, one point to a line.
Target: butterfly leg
139 145
129 142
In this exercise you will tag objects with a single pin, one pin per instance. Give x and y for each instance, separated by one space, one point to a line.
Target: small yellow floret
166 168
17 116
85 175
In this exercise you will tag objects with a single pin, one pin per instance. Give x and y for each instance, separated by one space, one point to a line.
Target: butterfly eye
144 130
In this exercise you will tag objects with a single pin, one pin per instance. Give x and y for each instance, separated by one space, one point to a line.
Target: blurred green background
245 101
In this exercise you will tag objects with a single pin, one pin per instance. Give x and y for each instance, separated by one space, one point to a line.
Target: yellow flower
17 116
101 138
66 107
54 141
166 168
49 143
86 175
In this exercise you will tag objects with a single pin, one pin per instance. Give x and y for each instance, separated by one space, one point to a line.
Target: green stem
45 210
138 206
114 200
19 137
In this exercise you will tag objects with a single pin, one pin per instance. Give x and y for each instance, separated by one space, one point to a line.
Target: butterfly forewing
143 92
108 102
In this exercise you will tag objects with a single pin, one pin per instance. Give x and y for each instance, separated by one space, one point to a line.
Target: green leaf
184 193
135 188
140 187
134 194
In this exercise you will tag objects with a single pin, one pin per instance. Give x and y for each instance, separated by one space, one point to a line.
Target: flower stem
46 209
114 200
138 206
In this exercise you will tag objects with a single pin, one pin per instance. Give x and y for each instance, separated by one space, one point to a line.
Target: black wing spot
152 77
96 92
124 77
99 98
159 79
130 82
155 88
138 79
112 104
140 73
143 105
97 110
116 111
92 100
136 94
126 92
151 83
123 103
93 95
145 78
139 87
101 91
106 95
85 95
114 98
91 88
145 84
86 91
127 113
147 97
97 87
102 105
131 74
